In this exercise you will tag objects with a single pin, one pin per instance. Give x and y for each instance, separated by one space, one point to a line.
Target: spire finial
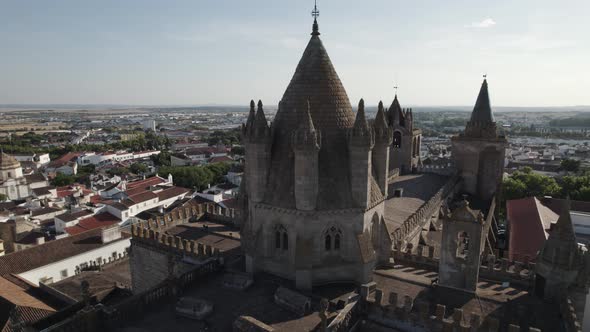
395 88
315 13
485 77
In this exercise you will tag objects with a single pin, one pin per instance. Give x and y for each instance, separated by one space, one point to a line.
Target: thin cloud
486 23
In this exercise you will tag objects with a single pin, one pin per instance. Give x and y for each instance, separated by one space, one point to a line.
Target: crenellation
378 297
458 317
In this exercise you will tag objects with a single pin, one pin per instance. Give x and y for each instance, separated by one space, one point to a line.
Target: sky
197 52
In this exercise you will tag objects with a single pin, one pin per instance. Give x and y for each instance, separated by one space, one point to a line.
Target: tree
570 165
239 150
525 183
117 171
138 168
162 159
61 180
196 176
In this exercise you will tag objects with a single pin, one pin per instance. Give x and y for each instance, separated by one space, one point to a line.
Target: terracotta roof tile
528 221
31 258
171 192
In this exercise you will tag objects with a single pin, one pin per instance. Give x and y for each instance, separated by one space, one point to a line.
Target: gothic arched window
397 139
285 241
281 238
332 238
462 245
278 240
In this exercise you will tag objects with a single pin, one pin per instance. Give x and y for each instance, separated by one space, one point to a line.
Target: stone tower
563 266
461 246
315 181
405 147
479 151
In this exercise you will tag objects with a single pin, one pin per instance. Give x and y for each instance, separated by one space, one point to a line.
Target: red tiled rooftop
528 221
142 197
97 221
154 180
171 192
220 159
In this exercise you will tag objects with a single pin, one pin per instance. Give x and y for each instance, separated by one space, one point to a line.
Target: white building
12 182
60 259
39 160
100 159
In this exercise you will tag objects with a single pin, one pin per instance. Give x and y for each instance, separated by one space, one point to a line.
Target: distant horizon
174 53
74 106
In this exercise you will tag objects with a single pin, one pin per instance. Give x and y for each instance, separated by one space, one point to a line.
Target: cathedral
340 228
318 178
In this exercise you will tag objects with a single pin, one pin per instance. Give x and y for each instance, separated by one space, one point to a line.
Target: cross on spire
395 88
485 76
315 12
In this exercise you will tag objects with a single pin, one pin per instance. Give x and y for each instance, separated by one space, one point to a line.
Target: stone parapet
499 270
172 244
404 313
568 312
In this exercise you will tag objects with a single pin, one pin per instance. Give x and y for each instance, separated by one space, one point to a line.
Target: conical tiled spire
252 115
306 122
564 228
396 114
380 121
306 136
482 112
481 124
360 123
361 134
314 80
383 134
260 120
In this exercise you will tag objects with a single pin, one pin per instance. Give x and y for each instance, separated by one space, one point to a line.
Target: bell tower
462 238
479 151
405 147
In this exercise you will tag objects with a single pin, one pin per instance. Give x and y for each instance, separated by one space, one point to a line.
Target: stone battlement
501 270
173 244
441 169
406 314
568 312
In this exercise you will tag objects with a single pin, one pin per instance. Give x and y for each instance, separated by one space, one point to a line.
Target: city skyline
196 53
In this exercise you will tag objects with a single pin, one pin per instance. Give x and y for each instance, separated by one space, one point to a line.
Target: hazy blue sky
535 52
